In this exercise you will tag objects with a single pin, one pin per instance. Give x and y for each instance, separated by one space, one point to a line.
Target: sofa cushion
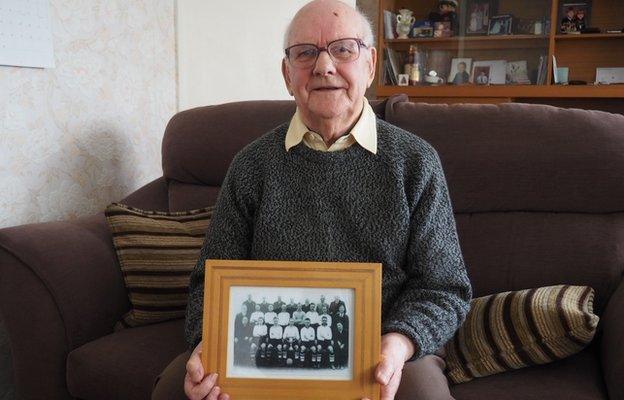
527 157
157 252
123 365
578 377
513 330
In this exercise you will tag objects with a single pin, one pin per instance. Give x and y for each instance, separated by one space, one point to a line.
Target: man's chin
328 110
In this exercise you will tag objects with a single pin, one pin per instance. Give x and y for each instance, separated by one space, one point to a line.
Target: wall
230 51
87 132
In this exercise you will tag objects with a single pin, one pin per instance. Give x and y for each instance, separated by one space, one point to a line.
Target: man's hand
197 384
395 350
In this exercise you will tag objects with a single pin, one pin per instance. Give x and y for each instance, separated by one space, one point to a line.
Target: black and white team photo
301 330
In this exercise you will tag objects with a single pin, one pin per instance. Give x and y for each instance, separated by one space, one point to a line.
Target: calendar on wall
26 33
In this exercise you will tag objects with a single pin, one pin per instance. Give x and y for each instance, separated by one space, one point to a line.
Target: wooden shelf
582 54
590 36
469 38
506 91
476 42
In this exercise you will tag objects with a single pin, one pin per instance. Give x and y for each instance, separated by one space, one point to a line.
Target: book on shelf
389 24
542 70
394 62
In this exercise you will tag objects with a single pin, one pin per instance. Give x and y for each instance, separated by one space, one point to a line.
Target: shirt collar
364 131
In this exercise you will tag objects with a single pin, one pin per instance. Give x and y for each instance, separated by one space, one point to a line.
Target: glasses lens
303 54
344 50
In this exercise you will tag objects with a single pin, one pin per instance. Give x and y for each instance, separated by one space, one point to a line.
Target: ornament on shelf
446 13
405 20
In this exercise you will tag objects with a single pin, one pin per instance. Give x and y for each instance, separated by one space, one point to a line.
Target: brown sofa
538 194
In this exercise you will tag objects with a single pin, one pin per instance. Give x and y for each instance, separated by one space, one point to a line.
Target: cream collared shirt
364 132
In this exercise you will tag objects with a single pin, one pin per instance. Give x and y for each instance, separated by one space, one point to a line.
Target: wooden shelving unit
581 53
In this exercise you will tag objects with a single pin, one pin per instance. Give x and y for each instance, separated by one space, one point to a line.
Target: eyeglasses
340 51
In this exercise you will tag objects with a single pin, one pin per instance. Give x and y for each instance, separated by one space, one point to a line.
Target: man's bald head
319 9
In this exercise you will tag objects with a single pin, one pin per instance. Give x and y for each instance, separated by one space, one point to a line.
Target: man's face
328 90
461 67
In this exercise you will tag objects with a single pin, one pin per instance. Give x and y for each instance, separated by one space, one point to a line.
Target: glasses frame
359 42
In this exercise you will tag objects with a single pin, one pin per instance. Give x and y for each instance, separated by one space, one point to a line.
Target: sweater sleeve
228 236
436 297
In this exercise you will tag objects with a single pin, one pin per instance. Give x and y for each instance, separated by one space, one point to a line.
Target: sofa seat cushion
123 365
578 377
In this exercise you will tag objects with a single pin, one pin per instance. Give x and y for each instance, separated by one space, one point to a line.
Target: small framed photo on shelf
574 17
478 16
460 68
318 335
500 25
403 80
489 72
517 73
442 29
422 29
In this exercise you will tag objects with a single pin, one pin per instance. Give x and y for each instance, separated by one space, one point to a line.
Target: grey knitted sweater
392 207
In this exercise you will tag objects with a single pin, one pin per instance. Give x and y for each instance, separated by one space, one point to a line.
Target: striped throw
157 252
512 330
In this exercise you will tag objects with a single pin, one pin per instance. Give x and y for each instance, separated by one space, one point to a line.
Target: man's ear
372 65
286 76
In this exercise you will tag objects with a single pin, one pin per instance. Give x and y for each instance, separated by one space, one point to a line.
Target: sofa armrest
60 287
612 351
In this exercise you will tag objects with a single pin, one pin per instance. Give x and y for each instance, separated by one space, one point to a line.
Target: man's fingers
214 393
194 366
388 391
224 396
199 391
384 371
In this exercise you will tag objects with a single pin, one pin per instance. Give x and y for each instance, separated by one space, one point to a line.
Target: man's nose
324 64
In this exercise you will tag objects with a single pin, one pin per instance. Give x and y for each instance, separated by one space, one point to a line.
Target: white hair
366 29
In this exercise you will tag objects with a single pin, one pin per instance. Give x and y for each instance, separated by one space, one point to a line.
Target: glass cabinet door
466 42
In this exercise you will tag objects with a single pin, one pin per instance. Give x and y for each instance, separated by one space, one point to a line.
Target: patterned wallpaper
88 132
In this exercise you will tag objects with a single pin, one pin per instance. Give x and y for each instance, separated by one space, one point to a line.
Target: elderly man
336 184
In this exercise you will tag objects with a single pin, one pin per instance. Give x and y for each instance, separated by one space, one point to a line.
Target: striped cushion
157 252
512 330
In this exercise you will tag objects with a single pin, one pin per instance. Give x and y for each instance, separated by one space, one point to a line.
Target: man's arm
436 297
228 237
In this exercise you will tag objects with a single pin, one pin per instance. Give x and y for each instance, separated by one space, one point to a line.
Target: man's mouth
327 88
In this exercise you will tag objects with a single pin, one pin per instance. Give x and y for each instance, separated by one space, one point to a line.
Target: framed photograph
574 17
478 16
404 79
422 28
442 29
489 72
500 25
517 73
460 71
286 329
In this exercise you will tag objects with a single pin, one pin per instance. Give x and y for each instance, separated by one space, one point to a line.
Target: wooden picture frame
227 280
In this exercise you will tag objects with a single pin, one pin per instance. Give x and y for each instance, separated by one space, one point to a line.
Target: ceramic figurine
446 13
404 23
